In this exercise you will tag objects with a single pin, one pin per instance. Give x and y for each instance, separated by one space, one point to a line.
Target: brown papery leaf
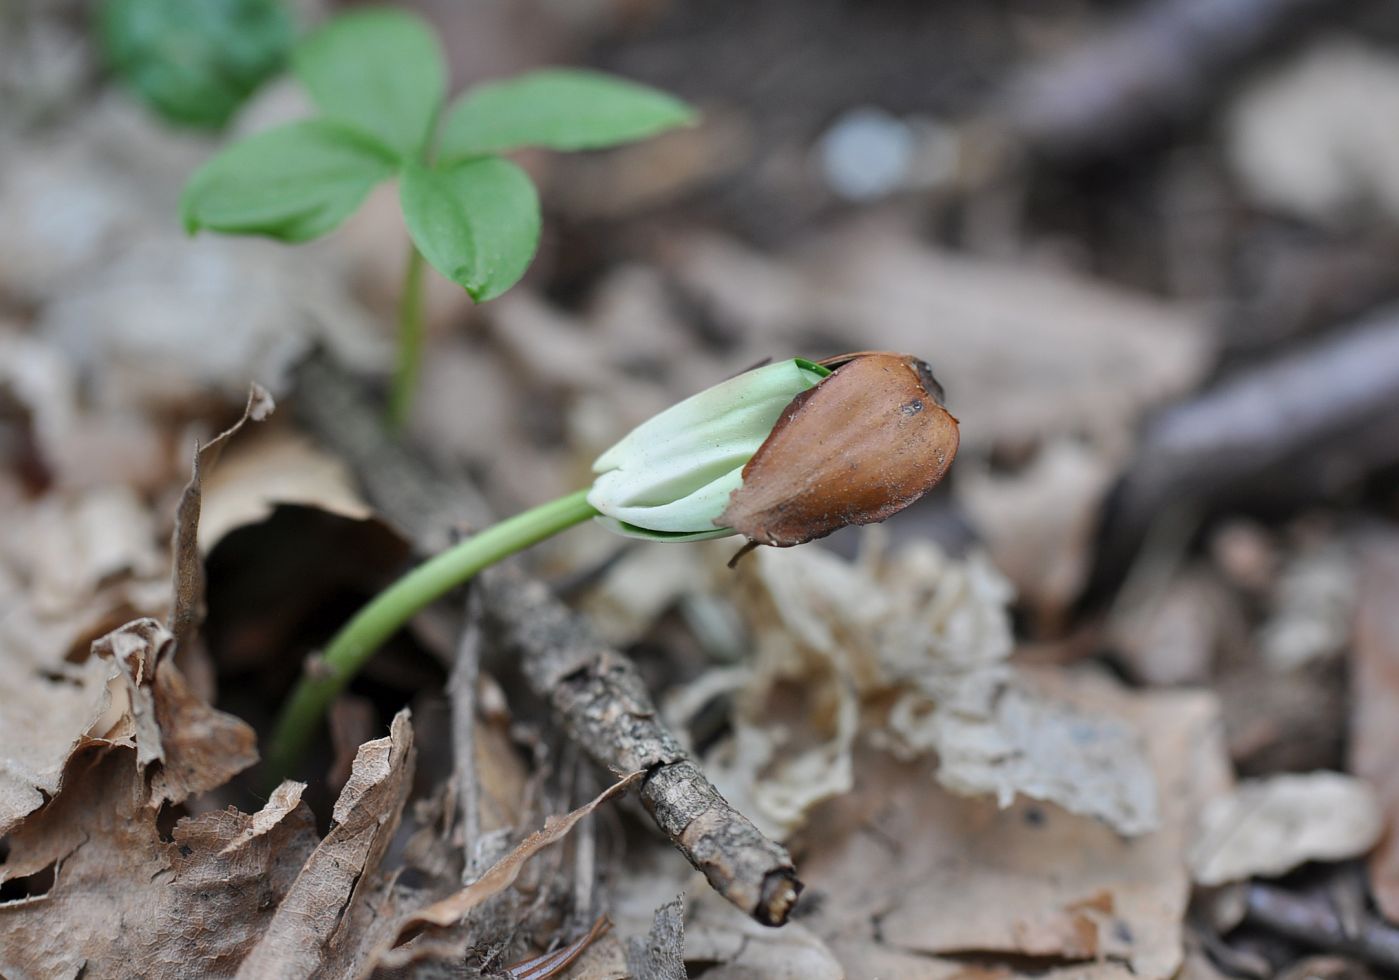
503 873
313 931
125 902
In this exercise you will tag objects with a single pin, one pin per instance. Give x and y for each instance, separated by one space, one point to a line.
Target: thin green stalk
410 340
357 640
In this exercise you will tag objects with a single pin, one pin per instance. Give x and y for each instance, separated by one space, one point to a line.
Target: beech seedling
782 455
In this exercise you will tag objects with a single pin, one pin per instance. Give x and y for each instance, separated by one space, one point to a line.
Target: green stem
410 340
357 640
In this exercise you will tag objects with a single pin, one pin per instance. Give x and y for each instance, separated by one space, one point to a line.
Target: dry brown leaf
1374 727
937 874
67 546
312 932
62 696
124 901
503 873
1269 826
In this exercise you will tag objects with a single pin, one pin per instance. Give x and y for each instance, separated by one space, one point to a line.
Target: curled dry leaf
126 901
188 575
320 927
1269 826
81 561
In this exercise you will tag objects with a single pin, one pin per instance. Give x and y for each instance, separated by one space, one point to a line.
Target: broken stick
599 696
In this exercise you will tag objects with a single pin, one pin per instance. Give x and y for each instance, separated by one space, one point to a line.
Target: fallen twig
1300 428
605 707
1318 921
1159 66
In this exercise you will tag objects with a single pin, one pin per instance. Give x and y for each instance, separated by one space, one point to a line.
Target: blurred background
1150 248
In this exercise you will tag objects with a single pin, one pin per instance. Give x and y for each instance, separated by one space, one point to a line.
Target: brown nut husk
856 449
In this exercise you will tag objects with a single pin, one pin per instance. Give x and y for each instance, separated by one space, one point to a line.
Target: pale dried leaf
1023 352
275 466
1030 745
311 932
124 901
1312 608
170 319
43 718
1038 522
718 933
1296 153
69 545
1269 826
910 647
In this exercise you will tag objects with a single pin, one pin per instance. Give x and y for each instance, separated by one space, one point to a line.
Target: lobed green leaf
294 183
379 70
476 222
558 109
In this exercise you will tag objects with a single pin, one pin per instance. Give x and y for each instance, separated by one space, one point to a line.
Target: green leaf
477 222
379 70
195 61
294 182
560 109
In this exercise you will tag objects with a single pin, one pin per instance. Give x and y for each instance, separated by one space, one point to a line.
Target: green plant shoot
379 80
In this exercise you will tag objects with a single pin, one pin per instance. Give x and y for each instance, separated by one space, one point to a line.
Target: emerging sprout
782 454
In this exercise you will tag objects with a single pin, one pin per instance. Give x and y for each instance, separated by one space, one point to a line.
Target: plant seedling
379 79
782 455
